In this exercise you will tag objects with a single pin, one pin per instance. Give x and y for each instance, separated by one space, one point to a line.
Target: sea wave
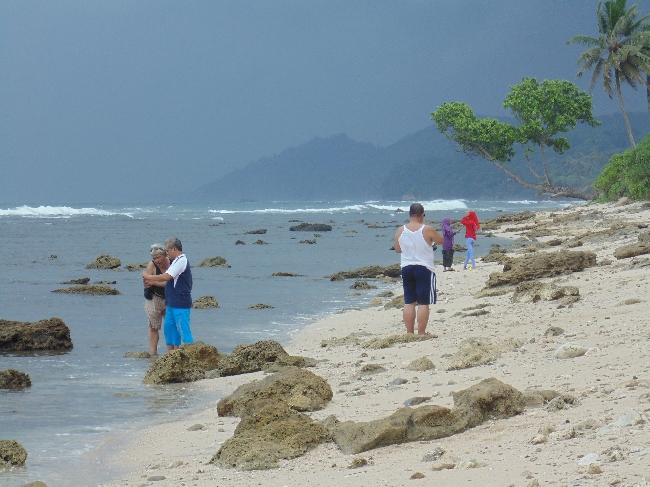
334 209
434 205
56 212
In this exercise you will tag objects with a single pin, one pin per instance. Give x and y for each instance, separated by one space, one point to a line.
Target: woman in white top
414 241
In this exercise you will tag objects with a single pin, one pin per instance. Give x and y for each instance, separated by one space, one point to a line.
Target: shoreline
610 380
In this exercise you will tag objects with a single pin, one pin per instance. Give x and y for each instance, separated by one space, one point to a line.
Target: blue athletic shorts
177 326
419 285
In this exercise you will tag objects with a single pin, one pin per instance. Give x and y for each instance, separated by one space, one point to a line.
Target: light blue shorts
177 326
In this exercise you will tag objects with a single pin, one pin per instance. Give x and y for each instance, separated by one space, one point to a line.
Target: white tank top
415 249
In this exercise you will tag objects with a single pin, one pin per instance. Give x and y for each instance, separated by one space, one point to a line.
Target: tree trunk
647 90
620 99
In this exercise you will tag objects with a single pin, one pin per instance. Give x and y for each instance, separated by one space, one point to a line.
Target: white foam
334 209
55 212
434 205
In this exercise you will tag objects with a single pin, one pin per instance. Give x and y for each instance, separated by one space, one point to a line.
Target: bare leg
153 341
423 319
172 347
409 317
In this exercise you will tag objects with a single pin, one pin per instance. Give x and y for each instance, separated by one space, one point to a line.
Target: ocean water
81 398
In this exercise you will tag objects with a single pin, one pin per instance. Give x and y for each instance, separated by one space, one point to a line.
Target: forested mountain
424 165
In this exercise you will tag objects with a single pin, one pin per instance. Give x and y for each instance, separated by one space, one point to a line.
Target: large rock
368 272
488 399
397 302
14 380
269 434
533 291
89 289
542 264
499 221
632 250
17 336
300 389
175 366
207 355
205 302
105 261
12 454
251 358
217 261
311 227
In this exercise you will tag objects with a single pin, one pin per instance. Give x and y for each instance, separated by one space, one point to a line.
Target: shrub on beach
627 174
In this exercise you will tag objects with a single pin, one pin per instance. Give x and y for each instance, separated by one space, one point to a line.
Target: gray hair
173 243
157 249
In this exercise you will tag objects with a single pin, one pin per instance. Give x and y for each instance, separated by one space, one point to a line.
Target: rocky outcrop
496 254
14 380
105 261
308 241
489 399
274 432
362 285
479 351
217 261
542 264
251 358
17 336
175 366
379 343
300 389
285 274
533 291
397 302
260 306
207 355
205 302
260 242
311 227
498 222
92 290
632 250
369 272
421 365
12 454
136 267
259 231
83 280
137 354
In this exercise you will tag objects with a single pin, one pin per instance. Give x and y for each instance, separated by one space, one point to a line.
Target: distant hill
424 165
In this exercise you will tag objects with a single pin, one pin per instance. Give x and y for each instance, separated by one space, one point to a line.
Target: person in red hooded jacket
470 220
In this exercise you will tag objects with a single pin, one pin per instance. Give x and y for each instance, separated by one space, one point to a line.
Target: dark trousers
447 257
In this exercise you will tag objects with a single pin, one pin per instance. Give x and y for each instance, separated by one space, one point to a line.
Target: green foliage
627 174
548 108
543 111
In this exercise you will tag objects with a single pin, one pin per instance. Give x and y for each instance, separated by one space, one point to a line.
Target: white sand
603 379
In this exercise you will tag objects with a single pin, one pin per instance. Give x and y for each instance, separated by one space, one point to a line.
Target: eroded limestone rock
105 261
251 358
420 365
300 389
17 336
490 398
273 432
12 453
632 250
477 351
217 261
207 355
14 380
533 291
379 343
368 272
205 302
175 366
542 264
89 289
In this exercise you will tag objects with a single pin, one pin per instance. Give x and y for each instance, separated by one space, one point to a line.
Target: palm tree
622 49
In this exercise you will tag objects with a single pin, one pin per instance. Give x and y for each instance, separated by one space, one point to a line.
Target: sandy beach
601 439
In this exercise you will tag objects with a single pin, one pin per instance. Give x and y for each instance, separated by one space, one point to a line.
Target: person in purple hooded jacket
448 244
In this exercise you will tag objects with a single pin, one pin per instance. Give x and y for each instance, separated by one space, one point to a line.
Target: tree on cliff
622 49
543 111
627 174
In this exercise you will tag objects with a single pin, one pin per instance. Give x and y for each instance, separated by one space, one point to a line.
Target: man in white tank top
414 241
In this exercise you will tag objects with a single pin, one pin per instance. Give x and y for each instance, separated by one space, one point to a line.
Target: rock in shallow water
17 336
205 302
12 453
105 261
14 380
174 366
89 289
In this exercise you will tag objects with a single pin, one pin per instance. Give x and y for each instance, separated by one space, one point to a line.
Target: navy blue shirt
178 291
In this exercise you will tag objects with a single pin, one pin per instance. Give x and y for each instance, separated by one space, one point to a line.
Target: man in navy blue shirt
178 295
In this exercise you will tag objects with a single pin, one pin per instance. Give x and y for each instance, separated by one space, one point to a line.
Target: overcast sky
116 101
